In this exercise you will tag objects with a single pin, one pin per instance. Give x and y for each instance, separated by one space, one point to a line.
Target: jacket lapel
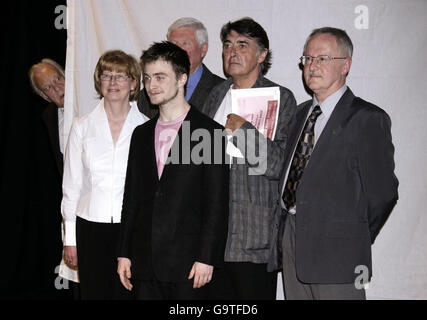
50 118
150 148
297 127
178 144
332 130
199 93
219 96
336 122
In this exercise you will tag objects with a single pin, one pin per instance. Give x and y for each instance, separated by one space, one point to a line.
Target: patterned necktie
302 155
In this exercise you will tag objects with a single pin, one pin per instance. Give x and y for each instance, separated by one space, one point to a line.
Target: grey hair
343 40
201 32
34 68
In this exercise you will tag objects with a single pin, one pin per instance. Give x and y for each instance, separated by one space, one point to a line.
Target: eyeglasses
115 77
321 60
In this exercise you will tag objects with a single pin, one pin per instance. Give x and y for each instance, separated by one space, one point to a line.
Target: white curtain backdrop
389 69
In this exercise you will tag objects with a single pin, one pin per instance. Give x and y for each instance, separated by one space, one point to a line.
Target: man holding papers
260 136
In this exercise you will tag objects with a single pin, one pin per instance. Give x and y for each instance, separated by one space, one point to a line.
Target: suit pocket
346 229
250 226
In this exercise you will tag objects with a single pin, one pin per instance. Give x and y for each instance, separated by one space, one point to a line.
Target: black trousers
251 281
220 287
97 261
154 289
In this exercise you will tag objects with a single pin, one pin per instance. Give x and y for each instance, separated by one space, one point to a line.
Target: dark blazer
43 250
207 81
346 193
170 223
50 119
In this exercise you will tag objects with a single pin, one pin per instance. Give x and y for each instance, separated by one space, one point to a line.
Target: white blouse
95 169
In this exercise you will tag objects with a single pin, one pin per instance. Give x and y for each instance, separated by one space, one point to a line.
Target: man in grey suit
190 35
338 185
246 59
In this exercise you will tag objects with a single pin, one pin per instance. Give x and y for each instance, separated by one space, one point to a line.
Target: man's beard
167 100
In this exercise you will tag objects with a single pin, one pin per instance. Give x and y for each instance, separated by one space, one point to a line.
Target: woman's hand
70 255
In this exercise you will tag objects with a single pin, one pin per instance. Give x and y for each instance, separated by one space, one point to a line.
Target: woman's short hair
118 61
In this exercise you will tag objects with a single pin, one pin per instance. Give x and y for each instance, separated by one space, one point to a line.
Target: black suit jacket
170 223
42 246
206 83
346 193
50 119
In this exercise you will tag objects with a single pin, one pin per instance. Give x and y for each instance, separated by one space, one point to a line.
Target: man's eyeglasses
321 60
115 77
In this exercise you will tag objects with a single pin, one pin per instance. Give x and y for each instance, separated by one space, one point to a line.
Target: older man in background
47 80
190 35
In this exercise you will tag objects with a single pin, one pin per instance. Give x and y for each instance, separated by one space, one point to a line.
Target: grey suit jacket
345 195
252 196
207 81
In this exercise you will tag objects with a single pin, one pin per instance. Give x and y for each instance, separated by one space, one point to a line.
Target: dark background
30 186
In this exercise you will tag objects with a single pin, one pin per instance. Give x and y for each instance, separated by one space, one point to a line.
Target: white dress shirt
61 129
224 109
221 114
95 169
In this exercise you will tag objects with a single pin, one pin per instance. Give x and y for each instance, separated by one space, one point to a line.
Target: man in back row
190 35
48 81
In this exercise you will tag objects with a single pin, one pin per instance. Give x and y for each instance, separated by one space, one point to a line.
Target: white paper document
260 107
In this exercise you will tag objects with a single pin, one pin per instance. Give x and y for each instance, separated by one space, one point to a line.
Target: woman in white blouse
94 176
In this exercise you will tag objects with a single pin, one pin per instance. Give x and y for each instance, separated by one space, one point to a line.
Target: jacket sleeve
131 202
215 213
377 169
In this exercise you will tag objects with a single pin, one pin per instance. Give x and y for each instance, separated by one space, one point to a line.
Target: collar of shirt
328 105
193 80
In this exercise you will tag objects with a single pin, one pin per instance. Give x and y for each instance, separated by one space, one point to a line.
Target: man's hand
234 122
123 269
202 274
70 255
